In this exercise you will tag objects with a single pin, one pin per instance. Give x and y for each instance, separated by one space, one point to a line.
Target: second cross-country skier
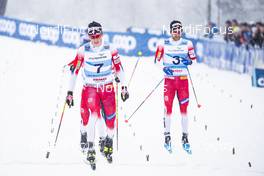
176 53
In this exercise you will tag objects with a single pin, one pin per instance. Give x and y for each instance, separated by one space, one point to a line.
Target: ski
92 164
89 160
186 147
167 143
109 159
168 147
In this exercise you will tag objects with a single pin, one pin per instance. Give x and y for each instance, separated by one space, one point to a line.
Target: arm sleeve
159 57
191 52
75 67
159 54
117 66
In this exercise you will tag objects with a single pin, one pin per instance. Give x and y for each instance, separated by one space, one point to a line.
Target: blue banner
258 78
218 54
227 56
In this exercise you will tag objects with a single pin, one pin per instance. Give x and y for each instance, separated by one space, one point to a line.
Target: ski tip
189 152
47 155
93 167
186 147
168 148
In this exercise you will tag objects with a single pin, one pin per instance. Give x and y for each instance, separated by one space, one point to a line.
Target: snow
30 80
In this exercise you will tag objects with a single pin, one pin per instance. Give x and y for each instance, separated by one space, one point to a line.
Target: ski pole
198 105
139 54
58 131
117 116
144 100
57 106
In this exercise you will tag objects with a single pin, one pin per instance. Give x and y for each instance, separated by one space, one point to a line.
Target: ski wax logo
28 30
124 42
153 43
261 81
8 26
49 34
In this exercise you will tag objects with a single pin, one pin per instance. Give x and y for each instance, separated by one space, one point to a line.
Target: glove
186 61
117 80
69 99
168 71
124 93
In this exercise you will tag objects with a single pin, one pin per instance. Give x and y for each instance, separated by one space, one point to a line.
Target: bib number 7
99 67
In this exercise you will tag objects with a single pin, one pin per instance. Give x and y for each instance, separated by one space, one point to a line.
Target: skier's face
176 32
96 40
95 35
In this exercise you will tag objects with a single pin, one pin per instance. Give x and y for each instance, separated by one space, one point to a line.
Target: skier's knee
183 105
110 121
168 111
183 108
110 124
85 121
85 116
168 108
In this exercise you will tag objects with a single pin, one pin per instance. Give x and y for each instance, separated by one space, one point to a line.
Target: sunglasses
94 30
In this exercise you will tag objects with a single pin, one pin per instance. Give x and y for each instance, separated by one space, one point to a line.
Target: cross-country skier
176 53
84 39
98 61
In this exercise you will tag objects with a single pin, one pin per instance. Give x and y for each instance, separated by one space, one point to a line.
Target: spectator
245 34
228 36
2 7
258 35
235 26
211 30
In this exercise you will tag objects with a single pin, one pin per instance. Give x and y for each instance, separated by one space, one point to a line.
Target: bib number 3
176 60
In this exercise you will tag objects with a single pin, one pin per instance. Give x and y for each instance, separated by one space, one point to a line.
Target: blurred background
246 17
120 14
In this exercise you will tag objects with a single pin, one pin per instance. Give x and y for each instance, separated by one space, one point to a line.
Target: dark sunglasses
94 31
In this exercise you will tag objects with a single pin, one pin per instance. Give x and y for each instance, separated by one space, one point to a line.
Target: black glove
69 99
124 93
117 80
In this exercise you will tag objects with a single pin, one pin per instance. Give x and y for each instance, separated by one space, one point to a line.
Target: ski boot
185 143
167 143
91 155
108 149
101 144
84 143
